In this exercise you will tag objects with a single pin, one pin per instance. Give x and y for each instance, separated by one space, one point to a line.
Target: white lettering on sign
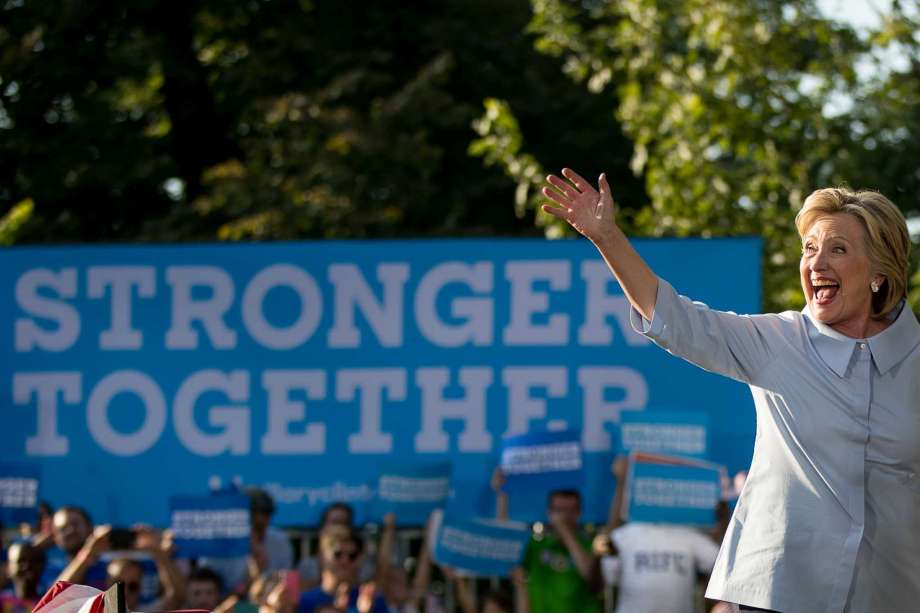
684 493
680 438
473 545
396 488
216 427
549 457
207 524
18 492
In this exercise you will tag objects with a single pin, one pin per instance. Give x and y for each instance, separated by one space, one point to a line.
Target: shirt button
862 345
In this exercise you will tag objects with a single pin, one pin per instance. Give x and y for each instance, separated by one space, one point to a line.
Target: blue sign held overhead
484 548
215 525
412 492
684 433
18 494
542 461
675 493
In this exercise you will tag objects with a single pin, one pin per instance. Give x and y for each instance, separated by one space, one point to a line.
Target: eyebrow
831 237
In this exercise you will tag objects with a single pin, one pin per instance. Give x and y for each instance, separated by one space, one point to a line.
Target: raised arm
160 547
585 562
501 497
615 513
422 579
93 547
737 346
603 542
386 547
593 214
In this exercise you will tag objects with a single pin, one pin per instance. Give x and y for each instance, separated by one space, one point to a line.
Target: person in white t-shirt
660 565
656 566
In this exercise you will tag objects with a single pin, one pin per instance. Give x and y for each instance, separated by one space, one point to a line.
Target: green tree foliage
724 100
281 119
11 223
274 119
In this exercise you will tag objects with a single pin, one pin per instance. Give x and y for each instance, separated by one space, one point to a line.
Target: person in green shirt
562 573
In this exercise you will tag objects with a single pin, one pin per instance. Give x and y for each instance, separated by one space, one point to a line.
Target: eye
809 248
840 249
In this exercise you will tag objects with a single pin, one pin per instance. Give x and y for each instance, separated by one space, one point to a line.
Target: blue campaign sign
673 493
484 548
542 460
18 493
139 372
661 431
215 525
412 492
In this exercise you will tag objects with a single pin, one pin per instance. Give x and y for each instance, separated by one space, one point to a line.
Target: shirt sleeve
737 346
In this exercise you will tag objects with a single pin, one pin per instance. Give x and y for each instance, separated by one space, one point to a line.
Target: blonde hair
887 239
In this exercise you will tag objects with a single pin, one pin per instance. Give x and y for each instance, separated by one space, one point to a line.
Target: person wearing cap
270 548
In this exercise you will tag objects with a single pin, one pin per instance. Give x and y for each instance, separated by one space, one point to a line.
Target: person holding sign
561 572
829 519
269 548
77 549
128 570
658 563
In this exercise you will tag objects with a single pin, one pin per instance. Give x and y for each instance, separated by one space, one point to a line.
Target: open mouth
825 291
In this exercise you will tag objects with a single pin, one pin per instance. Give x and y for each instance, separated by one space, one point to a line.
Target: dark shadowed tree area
152 121
280 119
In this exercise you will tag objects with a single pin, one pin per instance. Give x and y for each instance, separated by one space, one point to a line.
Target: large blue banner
136 372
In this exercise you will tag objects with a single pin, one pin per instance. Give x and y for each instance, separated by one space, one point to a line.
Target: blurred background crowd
340 566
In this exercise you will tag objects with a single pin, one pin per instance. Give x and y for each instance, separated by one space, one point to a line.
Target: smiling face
836 275
70 530
340 554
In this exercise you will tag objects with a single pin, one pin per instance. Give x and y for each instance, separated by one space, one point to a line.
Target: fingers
605 203
577 179
563 186
552 194
557 212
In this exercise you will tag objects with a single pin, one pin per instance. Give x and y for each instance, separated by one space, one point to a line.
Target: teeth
823 283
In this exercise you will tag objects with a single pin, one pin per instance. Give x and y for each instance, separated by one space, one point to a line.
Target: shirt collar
889 347
894 343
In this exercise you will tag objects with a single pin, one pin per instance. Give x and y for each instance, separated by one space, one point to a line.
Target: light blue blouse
829 519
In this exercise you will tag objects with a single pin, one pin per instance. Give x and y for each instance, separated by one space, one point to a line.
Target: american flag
64 597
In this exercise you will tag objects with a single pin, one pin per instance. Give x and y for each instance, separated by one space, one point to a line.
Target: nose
818 260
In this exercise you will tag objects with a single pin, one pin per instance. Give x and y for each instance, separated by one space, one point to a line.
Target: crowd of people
344 567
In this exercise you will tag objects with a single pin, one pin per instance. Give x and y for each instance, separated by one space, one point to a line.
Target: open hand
366 595
586 209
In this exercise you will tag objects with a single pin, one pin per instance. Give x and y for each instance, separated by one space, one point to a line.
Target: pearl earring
874 286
